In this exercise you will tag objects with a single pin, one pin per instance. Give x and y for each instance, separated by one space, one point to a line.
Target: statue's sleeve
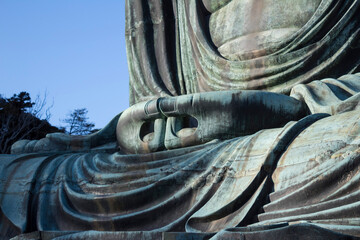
151 51
330 95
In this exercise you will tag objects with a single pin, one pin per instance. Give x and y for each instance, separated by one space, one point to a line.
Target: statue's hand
199 118
60 142
53 142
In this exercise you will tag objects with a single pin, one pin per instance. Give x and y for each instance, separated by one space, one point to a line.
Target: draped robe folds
170 51
306 171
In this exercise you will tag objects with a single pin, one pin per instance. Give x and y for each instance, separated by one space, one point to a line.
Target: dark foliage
20 118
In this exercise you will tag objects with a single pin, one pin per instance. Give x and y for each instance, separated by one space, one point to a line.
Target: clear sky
72 49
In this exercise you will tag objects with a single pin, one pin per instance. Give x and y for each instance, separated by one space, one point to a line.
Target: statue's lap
193 188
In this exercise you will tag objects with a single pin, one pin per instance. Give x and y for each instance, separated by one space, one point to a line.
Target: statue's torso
241 26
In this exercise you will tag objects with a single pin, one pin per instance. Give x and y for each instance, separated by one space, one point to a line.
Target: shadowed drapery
170 51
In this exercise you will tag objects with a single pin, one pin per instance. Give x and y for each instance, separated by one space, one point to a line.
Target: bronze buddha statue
244 121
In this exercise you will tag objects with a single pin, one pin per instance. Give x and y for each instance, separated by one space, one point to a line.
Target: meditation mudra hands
175 122
187 120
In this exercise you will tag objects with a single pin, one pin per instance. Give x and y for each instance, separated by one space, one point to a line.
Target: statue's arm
55 142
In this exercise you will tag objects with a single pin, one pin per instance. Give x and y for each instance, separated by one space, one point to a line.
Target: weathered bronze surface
245 123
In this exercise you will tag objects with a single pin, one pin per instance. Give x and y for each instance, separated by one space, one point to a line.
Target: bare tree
77 122
20 118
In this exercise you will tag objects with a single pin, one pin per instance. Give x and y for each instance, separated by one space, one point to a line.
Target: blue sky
72 49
